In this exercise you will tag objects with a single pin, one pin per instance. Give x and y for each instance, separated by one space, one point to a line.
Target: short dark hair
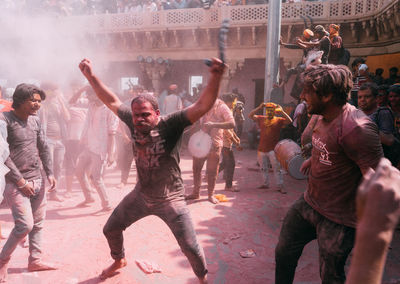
357 61
394 69
146 97
379 71
394 89
370 86
328 78
25 92
383 87
229 97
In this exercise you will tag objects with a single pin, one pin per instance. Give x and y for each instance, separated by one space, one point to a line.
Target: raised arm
279 110
209 93
103 93
254 111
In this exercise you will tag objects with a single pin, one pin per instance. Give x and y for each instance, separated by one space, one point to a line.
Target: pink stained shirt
220 112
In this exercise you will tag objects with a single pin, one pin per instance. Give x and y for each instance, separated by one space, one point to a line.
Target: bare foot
213 200
192 196
3 271
203 280
121 185
40 266
109 271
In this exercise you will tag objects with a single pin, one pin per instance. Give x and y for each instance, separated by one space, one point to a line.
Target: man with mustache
159 190
25 187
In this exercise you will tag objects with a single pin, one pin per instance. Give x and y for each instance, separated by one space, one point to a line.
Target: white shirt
100 123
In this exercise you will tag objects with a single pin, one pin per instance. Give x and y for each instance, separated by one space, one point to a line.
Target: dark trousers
173 212
227 165
303 224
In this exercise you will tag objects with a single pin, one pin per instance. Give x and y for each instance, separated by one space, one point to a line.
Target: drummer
213 122
270 128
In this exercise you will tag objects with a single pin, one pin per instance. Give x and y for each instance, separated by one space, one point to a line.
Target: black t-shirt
157 155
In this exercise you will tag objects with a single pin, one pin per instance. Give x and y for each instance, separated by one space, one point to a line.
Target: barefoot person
159 190
25 187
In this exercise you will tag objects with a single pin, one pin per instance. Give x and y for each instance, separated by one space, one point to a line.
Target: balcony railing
319 11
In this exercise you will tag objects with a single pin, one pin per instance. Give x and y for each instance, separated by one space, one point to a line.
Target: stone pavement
73 237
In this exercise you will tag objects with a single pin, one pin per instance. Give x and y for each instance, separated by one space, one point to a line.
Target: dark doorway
259 93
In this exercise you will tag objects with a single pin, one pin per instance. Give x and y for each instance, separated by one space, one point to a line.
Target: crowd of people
345 122
89 7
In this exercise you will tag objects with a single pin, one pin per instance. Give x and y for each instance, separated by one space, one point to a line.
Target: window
127 82
194 81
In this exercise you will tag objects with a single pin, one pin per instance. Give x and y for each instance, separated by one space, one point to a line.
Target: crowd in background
88 7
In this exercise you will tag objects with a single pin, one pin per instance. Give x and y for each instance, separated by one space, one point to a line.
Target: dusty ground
73 237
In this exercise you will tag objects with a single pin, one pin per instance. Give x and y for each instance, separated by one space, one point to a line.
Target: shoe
85 203
40 266
263 186
192 196
54 197
233 189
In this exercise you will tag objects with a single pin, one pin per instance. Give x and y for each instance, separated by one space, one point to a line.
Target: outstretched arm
209 94
103 93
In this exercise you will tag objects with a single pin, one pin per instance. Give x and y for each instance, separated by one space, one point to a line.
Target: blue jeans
174 213
303 224
29 214
91 164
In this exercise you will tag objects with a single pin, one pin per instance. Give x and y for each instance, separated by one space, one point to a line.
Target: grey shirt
27 143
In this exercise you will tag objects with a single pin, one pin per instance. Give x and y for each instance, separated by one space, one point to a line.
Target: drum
288 153
199 144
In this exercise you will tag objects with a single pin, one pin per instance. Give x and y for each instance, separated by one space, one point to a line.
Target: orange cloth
5 105
269 132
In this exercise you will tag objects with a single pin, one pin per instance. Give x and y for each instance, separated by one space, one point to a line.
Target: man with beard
25 186
159 190
345 145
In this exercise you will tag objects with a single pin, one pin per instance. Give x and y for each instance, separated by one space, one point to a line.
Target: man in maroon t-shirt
345 145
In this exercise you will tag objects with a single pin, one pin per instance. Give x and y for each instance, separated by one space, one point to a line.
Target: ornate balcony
367 26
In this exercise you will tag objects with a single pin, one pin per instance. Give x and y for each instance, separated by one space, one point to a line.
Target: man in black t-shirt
159 190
